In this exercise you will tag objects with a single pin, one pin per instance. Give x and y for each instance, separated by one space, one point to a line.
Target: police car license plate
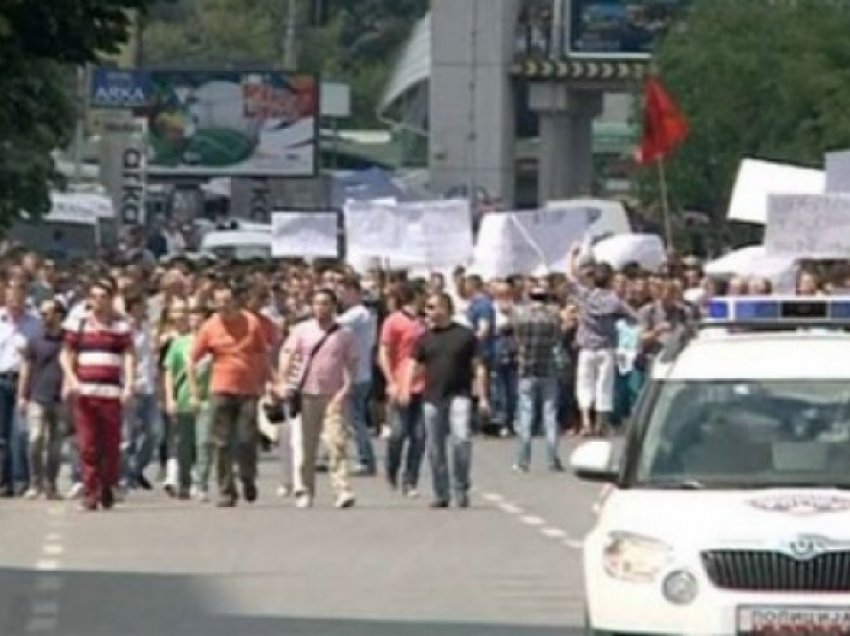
793 620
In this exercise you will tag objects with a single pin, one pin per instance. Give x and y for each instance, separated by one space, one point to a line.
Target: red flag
664 127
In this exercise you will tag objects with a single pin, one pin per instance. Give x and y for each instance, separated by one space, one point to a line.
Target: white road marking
53 537
53 549
42 624
46 565
44 608
48 583
511 508
532 520
493 497
575 544
553 533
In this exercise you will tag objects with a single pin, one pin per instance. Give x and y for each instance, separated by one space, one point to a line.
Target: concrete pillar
472 111
566 139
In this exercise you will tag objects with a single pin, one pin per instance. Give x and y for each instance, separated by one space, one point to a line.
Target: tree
760 78
40 42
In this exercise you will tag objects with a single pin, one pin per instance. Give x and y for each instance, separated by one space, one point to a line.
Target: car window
748 433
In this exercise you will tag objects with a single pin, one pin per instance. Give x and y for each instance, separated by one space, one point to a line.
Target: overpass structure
456 82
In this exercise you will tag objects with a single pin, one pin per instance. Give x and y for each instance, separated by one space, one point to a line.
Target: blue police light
777 310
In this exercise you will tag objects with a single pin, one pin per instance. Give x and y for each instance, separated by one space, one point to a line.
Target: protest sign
758 179
305 234
808 226
529 242
430 233
838 171
647 250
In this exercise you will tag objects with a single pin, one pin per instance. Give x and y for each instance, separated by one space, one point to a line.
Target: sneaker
76 490
438 503
32 494
143 482
249 490
410 492
519 468
284 491
364 470
87 504
226 501
170 490
107 498
303 500
51 494
345 500
462 500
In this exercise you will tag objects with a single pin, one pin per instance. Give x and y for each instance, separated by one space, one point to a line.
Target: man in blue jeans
448 354
537 331
362 322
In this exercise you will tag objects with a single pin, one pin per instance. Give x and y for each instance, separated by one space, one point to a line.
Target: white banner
757 180
431 233
436 233
528 242
838 171
808 226
618 251
305 234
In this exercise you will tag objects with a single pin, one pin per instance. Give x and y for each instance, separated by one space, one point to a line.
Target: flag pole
665 203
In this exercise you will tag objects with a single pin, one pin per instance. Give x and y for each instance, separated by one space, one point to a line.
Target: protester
99 368
329 352
40 400
537 333
17 326
238 349
363 325
600 308
448 355
142 415
399 335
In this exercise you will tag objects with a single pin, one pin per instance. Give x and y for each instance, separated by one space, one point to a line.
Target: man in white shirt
17 325
363 323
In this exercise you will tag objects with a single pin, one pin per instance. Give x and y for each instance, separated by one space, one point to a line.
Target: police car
727 509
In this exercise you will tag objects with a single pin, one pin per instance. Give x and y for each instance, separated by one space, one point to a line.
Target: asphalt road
508 565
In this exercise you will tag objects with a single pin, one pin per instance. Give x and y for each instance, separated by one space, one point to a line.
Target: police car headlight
680 587
635 558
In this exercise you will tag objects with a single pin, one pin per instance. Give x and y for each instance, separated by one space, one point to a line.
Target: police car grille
767 571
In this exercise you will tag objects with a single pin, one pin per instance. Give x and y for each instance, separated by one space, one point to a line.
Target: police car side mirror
596 461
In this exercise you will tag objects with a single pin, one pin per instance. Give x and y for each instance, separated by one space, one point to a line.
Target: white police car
728 510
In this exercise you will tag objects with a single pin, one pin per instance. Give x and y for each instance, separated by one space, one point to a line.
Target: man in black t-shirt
448 354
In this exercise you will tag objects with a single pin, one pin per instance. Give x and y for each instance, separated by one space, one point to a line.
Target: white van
71 230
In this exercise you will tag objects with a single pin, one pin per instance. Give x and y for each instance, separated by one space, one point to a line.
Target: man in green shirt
190 420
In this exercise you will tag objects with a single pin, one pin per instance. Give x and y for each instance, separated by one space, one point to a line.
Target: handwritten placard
305 234
808 226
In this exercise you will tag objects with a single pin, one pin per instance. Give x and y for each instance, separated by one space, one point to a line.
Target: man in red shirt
400 334
98 362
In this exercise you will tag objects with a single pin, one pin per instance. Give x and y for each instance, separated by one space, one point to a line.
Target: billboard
219 123
621 27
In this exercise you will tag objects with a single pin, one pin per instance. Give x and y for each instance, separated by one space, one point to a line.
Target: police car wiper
673 484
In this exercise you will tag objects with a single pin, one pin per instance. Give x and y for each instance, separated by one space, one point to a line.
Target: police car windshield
748 434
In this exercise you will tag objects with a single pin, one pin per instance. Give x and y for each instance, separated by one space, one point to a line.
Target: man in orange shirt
234 343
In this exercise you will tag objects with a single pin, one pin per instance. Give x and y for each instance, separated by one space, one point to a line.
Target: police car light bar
779 310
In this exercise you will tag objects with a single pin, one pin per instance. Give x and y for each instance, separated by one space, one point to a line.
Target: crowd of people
122 370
